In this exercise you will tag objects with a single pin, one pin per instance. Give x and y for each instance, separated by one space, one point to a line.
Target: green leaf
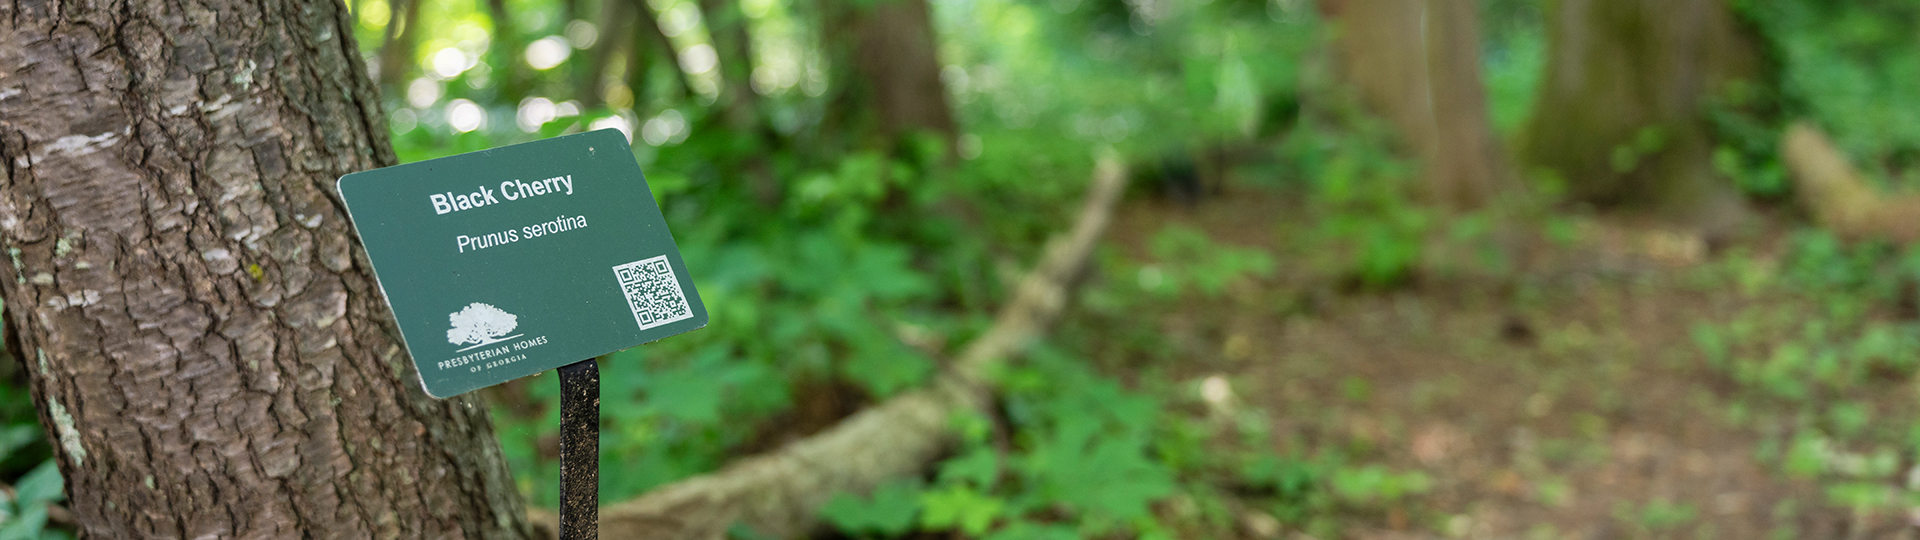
29 525
962 507
1128 480
1374 483
1026 530
41 486
1807 457
17 436
978 467
885 366
689 394
890 510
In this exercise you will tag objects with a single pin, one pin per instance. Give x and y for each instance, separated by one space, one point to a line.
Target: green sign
504 263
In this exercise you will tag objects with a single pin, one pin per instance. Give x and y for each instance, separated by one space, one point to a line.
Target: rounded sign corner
428 388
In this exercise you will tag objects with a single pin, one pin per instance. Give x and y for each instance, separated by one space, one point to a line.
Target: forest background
1508 268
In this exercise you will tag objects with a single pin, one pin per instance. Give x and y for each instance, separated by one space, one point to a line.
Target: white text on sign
557 225
512 190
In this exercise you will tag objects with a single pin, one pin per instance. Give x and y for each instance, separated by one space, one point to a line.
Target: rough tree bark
1620 114
1416 63
888 68
207 347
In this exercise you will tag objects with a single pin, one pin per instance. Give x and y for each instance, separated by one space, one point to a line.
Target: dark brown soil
1563 398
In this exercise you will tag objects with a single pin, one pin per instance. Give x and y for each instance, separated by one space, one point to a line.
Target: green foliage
1368 227
22 442
1812 362
844 271
1853 68
1090 458
1842 66
1376 484
23 516
890 510
1657 515
27 464
858 267
1078 429
1191 260
1646 142
1074 429
1747 121
959 507
838 274
1515 55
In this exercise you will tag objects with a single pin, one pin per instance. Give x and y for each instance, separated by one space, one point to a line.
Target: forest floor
1563 399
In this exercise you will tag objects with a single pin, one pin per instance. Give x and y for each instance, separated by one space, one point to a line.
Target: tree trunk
515 76
1416 63
629 26
646 24
396 47
887 60
616 20
639 58
206 344
1468 166
733 40
1620 113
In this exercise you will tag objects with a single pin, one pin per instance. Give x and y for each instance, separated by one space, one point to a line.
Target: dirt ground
1564 399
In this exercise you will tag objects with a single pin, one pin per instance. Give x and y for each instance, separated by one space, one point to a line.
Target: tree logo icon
480 325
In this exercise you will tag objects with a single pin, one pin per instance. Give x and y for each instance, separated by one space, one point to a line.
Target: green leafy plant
1818 357
889 511
1368 229
1189 259
23 513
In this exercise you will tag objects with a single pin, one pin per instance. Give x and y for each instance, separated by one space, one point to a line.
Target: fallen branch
1840 198
780 493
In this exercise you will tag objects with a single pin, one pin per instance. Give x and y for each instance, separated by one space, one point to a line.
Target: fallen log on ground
1839 197
780 493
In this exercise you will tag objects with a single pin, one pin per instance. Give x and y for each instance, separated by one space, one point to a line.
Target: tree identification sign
508 262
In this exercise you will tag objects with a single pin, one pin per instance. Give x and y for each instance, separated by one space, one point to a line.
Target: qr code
653 292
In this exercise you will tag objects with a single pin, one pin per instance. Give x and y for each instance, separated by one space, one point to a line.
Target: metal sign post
580 451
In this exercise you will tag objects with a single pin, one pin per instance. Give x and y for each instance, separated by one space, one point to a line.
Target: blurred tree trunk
1620 111
1469 165
616 24
514 77
396 46
639 56
629 29
886 61
739 105
647 24
733 40
206 346
1416 63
